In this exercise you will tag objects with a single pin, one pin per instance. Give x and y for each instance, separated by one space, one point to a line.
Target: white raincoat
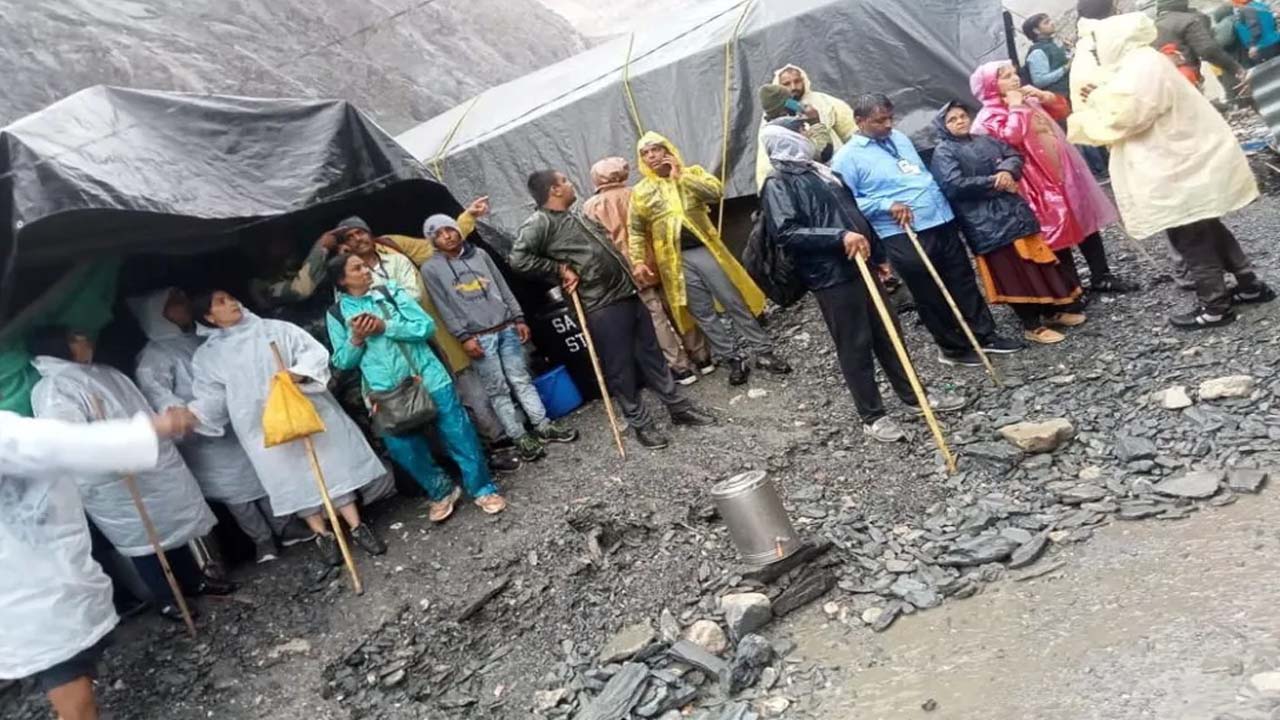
164 376
55 601
170 493
1174 159
233 371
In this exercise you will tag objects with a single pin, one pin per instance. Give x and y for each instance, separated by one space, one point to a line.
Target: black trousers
1095 256
860 337
1210 249
629 354
185 571
945 249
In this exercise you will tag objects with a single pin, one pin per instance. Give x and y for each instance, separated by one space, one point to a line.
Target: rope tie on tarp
728 88
437 162
626 87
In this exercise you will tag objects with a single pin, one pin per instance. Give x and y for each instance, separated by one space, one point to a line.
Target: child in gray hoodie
480 310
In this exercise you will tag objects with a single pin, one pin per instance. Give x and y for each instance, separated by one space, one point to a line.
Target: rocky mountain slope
420 58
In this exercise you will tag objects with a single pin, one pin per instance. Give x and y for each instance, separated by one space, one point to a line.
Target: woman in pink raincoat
1071 206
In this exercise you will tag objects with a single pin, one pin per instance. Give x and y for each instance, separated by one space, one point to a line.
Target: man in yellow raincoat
819 108
1175 163
669 210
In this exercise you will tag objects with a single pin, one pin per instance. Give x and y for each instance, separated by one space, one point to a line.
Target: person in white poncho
74 389
55 600
219 463
233 371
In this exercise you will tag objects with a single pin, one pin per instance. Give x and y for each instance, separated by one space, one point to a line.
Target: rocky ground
572 603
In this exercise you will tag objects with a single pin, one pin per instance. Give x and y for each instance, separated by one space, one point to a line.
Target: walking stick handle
323 487
595 365
873 289
153 536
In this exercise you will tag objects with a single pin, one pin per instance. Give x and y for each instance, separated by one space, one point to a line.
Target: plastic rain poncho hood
1174 159
164 376
233 370
659 208
70 391
55 599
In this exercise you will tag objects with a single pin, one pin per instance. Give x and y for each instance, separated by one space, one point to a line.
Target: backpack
772 267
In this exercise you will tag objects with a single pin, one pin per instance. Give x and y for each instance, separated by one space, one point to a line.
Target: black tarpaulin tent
672 78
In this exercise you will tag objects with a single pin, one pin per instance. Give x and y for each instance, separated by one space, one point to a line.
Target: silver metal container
757 522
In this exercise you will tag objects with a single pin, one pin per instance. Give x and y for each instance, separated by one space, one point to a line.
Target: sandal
492 504
438 512
1044 336
1067 319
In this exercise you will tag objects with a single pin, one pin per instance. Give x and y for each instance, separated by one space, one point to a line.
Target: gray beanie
436 223
353 223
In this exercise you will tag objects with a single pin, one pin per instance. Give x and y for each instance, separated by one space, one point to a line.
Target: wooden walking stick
595 365
334 522
942 287
131 483
873 289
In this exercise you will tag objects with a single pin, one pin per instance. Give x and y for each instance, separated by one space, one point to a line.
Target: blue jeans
413 453
504 371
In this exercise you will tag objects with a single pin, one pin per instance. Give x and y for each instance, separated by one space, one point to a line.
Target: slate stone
691 654
1247 480
810 551
978 551
1196 485
802 592
1082 493
1130 448
1029 551
888 615
994 453
620 695
753 655
628 643
745 613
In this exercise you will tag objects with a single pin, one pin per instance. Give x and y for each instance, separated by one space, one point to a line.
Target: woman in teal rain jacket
383 332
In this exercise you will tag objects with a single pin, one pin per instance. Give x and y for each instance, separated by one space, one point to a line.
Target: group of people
665 300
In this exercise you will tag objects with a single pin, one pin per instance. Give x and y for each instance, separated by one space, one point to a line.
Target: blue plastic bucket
558 392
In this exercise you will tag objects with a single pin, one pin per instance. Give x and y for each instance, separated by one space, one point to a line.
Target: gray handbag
404 408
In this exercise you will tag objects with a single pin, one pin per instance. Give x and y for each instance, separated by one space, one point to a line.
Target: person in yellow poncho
1175 163
669 210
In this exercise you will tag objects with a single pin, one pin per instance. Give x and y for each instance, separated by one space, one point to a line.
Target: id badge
906 167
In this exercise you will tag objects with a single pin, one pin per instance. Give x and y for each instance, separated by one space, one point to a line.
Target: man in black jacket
557 243
811 216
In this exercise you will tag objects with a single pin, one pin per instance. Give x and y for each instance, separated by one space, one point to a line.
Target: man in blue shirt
894 189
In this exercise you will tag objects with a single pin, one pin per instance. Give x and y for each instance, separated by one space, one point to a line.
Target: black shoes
692 418
370 543
772 363
327 546
503 461
739 372
215 587
684 377
962 359
999 345
1259 294
1112 284
651 438
1200 319
554 433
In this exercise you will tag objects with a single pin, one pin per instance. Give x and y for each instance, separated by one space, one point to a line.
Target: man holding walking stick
557 243
895 190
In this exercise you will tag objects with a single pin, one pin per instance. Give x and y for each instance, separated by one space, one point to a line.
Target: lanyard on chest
905 166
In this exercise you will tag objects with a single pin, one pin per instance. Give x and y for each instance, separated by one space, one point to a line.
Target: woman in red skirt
979 175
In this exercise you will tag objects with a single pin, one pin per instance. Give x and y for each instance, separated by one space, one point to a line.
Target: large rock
1247 480
746 613
1196 485
1234 386
1039 437
1174 398
707 635
628 643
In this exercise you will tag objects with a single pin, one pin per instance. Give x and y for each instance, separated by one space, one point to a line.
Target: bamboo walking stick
955 309
595 365
334 522
873 289
153 537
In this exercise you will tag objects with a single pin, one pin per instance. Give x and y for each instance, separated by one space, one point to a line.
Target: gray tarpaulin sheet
570 114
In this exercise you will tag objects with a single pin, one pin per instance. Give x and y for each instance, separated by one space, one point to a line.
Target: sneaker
552 432
530 448
999 345
1067 319
296 533
1201 318
265 552
707 369
686 377
504 461
1259 294
327 546
363 536
1112 284
964 359
692 418
214 586
739 372
772 363
884 430
1043 336
438 512
651 438
942 402
491 504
